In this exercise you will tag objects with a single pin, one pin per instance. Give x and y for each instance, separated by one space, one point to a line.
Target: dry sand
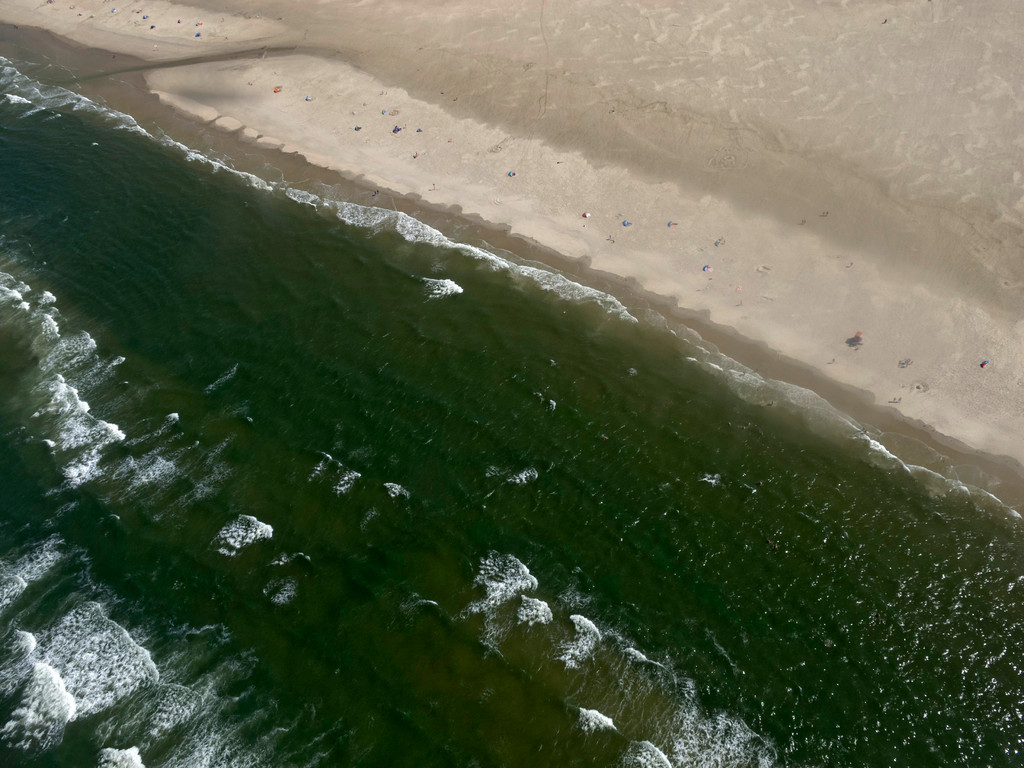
838 167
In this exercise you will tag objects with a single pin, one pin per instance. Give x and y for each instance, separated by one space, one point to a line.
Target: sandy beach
840 182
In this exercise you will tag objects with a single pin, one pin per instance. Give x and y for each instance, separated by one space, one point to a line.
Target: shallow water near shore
292 482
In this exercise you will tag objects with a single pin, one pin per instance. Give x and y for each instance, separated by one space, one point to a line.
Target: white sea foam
24 642
224 379
633 653
322 466
523 477
284 559
281 591
643 754
71 352
515 477
415 602
167 425
572 598
549 404
156 712
717 741
241 532
933 482
342 478
65 364
199 725
579 649
98 660
636 655
884 452
503 578
371 513
591 720
172 706
16 100
11 587
50 329
46 707
654 703
206 466
151 469
345 480
533 611
19 662
303 197
120 758
17 575
212 743
395 490
413 230
438 289
12 296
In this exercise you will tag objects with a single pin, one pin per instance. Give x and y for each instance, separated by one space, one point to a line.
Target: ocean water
289 481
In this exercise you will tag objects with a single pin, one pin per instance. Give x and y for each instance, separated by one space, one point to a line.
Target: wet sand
789 178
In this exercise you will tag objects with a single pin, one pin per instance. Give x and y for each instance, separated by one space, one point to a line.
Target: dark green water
351 516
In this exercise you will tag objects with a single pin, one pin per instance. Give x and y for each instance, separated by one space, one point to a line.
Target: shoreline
712 322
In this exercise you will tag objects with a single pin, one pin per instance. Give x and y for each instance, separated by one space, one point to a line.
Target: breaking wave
647 702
